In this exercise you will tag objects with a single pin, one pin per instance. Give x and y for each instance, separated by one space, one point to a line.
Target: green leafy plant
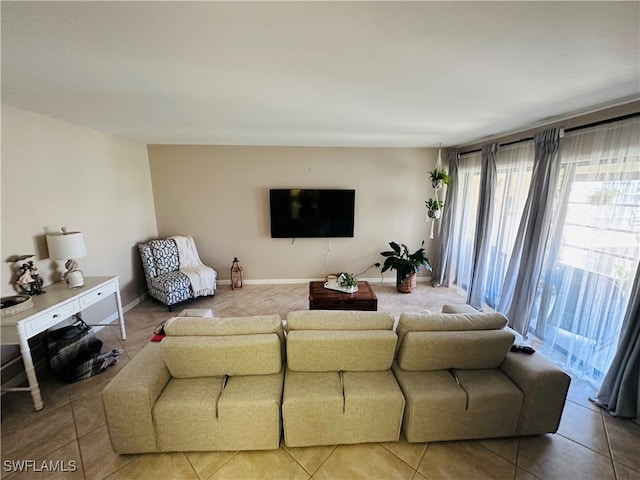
347 280
403 262
433 204
438 177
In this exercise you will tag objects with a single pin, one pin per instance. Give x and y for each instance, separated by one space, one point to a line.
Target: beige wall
55 174
220 196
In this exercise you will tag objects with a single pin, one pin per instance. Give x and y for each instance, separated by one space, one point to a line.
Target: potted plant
435 207
439 176
348 281
406 265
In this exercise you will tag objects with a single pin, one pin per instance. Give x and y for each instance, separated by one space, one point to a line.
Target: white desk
58 303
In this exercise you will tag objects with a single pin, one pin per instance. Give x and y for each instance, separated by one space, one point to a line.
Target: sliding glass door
594 249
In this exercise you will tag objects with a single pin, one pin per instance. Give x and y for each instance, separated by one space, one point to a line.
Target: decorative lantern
237 277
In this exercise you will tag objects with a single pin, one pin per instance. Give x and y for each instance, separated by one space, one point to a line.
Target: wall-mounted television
300 213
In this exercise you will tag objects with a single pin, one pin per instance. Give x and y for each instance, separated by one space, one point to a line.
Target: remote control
522 349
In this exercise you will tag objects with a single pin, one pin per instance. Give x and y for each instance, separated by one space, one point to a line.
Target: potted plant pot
439 177
408 285
434 208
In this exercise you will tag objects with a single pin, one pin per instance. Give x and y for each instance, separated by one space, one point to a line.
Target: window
594 249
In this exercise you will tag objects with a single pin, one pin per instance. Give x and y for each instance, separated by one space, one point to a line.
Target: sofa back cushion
443 341
339 320
206 347
330 341
332 351
165 255
207 326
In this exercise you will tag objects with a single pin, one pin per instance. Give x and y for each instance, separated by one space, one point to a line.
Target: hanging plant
434 208
439 176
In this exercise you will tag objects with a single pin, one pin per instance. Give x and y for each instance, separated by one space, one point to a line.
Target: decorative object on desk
406 265
15 304
237 276
69 246
29 281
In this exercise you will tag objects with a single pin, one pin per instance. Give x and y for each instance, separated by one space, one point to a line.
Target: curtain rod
566 130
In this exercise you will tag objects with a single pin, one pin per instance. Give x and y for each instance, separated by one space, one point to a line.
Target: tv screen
298 213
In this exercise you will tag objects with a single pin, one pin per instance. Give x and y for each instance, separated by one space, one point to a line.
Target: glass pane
594 251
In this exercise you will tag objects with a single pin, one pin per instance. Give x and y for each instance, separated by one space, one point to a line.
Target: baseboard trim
285 281
135 302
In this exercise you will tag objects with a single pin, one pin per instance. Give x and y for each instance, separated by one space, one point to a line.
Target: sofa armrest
129 398
545 388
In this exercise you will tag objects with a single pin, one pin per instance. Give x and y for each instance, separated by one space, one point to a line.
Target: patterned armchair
161 264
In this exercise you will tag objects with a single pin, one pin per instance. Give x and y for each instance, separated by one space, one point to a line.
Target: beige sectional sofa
350 377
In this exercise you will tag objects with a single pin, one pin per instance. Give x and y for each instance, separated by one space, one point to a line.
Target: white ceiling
318 73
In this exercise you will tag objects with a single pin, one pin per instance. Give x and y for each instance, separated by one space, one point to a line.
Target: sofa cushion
328 350
447 322
443 341
444 350
218 413
165 254
479 404
327 408
207 326
200 356
339 320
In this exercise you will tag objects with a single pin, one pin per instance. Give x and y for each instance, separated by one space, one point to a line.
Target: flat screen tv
300 213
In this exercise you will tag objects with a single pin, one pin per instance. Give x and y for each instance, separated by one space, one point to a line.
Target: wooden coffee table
321 298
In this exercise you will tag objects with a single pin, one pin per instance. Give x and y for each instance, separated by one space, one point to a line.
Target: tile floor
71 429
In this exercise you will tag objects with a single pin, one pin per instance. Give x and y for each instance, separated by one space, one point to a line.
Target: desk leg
120 314
34 388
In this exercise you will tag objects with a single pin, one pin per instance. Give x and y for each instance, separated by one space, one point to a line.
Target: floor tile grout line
321 464
296 460
479 441
607 455
75 429
192 466
398 457
235 454
606 432
422 458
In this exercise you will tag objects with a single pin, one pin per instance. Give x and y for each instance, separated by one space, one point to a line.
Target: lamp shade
63 246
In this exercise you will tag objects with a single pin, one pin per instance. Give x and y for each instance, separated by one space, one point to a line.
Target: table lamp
68 246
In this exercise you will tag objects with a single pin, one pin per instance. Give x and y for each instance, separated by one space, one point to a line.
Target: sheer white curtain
514 165
463 227
594 249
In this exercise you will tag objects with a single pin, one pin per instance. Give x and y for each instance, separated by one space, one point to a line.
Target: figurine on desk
29 282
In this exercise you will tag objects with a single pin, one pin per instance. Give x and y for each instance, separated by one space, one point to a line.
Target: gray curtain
488 183
442 257
620 390
521 281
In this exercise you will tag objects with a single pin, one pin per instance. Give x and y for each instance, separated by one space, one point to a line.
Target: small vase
437 184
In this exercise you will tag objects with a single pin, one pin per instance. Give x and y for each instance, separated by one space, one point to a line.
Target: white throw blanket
202 278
